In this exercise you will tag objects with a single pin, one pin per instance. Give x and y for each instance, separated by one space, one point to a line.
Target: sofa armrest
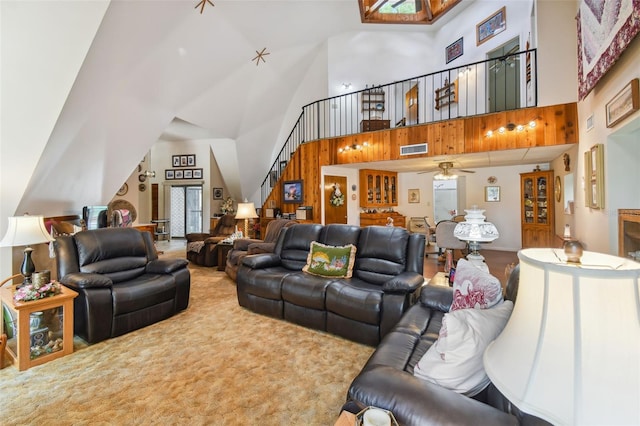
261 261
243 243
437 297
215 240
196 236
406 282
417 402
84 280
165 266
261 247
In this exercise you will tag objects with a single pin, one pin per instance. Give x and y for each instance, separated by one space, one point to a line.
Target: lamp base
478 261
27 268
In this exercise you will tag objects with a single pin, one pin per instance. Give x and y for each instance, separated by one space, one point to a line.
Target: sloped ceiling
164 70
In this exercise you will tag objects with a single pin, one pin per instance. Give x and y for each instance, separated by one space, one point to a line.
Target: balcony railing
500 84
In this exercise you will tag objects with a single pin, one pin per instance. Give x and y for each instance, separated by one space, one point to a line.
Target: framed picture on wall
179 174
188 174
217 193
183 161
292 191
454 50
414 195
626 102
197 173
168 174
492 26
191 160
175 160
491 193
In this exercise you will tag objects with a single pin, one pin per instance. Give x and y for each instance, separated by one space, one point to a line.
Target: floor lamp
571 349
246 211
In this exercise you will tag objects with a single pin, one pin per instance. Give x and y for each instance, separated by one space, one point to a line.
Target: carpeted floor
215 363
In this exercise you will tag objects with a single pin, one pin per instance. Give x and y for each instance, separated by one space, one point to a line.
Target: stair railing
499 84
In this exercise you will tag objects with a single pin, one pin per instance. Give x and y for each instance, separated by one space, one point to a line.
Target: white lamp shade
25 230
474 228
246 211
570 353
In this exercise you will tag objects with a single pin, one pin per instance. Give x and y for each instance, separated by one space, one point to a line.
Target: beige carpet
215 363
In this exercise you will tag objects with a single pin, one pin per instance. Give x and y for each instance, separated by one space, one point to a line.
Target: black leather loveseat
387 381
387 275
122 285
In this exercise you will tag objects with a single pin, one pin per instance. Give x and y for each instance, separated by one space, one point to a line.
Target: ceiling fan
445 171
508 59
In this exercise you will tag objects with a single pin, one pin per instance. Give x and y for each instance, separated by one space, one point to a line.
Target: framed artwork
283 165
188 174
491 194
625 103
175 160
492 26
191 160
605 29
179 174
197 173
454 50
595 176
169 174
273 178
292 191
217 193
414 195
183 161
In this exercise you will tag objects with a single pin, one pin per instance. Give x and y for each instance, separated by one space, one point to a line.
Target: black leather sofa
387 275
387 381
122 285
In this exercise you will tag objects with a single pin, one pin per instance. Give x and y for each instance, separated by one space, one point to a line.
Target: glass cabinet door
529 200
541 201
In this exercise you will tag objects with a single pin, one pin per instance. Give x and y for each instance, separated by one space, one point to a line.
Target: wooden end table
57 327
223 251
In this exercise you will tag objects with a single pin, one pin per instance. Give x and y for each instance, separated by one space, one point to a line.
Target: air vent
420 148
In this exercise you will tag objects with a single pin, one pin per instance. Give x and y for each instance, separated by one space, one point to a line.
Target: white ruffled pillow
474 288
454 361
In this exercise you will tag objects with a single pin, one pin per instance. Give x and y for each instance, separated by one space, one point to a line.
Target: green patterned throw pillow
330 261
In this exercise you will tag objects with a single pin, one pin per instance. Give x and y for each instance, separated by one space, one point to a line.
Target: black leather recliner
387 275
122 285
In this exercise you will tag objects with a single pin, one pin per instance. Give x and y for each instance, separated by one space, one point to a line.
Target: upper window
404 11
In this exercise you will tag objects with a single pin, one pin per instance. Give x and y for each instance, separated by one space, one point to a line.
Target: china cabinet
378 189
537 209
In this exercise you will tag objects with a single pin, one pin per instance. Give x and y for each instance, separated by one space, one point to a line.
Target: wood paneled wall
555 125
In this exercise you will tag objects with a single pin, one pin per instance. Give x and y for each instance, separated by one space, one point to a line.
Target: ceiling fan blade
466 171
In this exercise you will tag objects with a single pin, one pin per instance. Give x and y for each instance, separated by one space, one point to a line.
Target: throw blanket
195 246
121 218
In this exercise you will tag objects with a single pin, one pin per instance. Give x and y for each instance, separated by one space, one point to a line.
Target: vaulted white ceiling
162 70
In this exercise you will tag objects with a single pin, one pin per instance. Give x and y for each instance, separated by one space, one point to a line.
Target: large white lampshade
246 211
25 231
570 353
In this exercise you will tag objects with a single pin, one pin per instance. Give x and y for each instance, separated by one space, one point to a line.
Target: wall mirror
568 193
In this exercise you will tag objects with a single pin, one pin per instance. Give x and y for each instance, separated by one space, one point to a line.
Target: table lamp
570 353
246 211
474 230
25 231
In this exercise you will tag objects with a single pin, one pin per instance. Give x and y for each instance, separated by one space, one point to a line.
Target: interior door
503 75
334 188
411 105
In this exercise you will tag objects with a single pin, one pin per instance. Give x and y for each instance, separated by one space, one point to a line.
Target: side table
223 251
51 339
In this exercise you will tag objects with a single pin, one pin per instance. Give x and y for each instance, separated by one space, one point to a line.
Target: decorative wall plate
123 190
492 179
142 187
558 188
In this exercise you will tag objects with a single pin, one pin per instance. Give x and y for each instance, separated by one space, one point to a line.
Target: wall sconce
353 147
511 127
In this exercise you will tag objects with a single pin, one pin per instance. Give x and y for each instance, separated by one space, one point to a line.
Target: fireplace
629 233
